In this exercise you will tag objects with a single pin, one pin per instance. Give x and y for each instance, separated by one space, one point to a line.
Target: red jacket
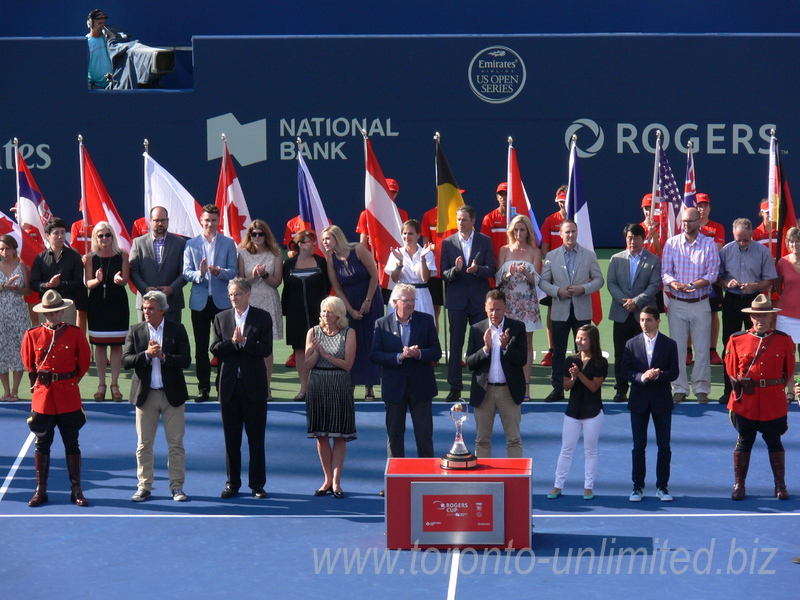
71 352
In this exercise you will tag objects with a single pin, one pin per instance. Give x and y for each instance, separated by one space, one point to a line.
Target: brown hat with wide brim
51 302
761 305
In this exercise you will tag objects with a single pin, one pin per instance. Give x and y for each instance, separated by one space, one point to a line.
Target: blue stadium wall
724 92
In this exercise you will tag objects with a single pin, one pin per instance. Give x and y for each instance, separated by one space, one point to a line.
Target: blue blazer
654 395
419 374
225 257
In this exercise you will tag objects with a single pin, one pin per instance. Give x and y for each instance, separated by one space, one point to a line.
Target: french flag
578 211
31 206
383 218
96 204
234 216
517 200
311 210
28 245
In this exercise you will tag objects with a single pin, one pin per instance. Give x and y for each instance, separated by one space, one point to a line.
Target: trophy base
459 462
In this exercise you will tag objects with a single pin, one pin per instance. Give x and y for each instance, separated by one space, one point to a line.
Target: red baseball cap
561 196
647 200
503 187
765 206
392 185
701 197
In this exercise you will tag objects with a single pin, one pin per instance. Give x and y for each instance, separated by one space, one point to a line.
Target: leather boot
778 462
741 463
42 462
74 469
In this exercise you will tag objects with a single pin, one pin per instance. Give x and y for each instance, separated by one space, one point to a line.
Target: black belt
327 369
420 286
497 384
766 382
688 300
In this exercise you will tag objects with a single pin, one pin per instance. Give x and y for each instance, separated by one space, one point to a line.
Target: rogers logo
596 130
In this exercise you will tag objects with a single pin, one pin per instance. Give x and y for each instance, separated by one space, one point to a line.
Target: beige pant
174 428
498 399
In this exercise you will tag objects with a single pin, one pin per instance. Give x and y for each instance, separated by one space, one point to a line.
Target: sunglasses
257 234
103 236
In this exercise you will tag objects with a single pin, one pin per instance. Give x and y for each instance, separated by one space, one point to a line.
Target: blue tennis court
293 545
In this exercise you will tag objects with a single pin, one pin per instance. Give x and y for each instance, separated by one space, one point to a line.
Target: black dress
303 292
584 404
108 313
330 407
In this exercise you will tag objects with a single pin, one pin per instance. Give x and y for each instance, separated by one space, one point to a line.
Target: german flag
780 199
448 193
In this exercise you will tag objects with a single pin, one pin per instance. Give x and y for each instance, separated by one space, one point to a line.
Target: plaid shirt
685 263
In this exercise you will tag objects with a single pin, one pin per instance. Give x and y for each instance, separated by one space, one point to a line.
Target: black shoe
202 396
724 398
338 494
382 493
229 492
259 493
620 397
555 396
323 491
453 396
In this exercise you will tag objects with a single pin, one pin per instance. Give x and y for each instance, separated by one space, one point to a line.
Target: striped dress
330 408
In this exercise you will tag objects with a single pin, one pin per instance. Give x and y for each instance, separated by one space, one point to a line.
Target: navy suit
243 386
466 294
409 385
512 361
652 397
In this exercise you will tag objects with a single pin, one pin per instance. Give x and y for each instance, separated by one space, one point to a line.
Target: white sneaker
178 495
636 495
663 495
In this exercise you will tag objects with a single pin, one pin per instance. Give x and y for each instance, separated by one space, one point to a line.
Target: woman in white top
413 265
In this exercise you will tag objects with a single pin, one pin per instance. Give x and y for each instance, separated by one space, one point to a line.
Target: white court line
16 465
738 515
455 565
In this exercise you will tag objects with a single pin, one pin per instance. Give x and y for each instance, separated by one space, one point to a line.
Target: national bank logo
590 136
248 142
496 74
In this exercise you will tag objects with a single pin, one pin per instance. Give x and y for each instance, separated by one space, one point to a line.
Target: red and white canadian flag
234 216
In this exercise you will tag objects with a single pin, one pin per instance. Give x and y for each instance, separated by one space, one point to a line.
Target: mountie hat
51 302
647 200
761 305
503 187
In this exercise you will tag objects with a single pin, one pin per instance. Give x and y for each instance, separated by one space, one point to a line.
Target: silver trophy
459 456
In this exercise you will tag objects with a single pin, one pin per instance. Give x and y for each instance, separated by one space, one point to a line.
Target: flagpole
16 166
446 319
83 196
226 228
509 192
146 144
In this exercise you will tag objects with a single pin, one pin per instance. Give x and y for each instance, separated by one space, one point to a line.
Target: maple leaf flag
96 204
27 245
578 211
234 216
162 189
383 218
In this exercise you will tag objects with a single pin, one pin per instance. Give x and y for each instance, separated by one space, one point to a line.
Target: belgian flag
448 193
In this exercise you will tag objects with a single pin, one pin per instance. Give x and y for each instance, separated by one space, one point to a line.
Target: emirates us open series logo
496 74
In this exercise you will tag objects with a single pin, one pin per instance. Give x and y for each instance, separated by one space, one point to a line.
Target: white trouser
691 318
570 433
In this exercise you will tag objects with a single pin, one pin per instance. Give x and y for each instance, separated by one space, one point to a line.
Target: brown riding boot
741 463
74 469
42 462
778 462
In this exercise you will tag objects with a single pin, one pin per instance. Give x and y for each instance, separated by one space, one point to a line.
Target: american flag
666 194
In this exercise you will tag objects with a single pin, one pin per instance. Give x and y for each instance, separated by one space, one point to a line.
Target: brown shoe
778 462
42 462
741 463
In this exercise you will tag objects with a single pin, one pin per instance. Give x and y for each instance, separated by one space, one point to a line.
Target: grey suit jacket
646 283
555 276
147 272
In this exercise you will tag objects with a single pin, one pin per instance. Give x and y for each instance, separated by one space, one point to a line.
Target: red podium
486 507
